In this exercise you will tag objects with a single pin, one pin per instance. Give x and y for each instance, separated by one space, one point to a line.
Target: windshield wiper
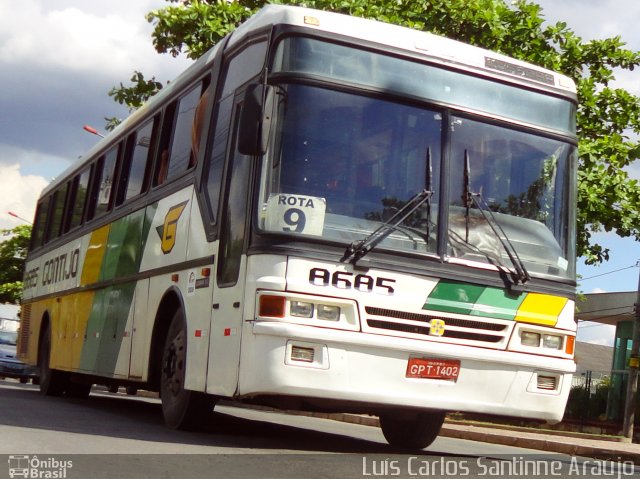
470 198
359 248
429 187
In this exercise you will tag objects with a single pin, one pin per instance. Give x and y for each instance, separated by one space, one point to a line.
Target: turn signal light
273 306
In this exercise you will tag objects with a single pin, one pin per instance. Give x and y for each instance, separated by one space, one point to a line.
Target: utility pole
634 365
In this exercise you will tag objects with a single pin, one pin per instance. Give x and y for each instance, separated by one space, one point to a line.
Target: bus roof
435 48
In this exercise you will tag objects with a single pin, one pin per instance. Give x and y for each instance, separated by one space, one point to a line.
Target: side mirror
255 120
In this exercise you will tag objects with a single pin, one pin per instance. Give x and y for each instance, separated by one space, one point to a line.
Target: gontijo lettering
59 268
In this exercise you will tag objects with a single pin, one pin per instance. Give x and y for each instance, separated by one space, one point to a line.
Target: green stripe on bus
482 301
124 247
453 297
497 303
105 328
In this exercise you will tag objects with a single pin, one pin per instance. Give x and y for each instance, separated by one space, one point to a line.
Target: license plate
424 368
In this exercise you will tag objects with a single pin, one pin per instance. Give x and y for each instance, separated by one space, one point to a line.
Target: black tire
131 390
24 380
52 382
411 430
114 388
182 408
78 390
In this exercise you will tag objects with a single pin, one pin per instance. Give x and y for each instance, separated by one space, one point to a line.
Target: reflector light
312 21
273 306
302 354
569 347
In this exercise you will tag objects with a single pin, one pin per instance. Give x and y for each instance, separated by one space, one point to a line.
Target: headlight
301 309
528 338
551 342
328 313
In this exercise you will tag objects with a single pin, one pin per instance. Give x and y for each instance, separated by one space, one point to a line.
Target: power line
610 272
594 326
604 309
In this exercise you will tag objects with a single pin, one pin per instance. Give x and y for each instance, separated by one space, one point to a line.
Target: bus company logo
34 467
437 327
169 229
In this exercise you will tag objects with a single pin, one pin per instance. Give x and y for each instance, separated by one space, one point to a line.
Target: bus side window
180 142
78 198
40 223
70 187
103 182
54 228
136 162
218 154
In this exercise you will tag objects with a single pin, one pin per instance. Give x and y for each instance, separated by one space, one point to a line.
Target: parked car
10 365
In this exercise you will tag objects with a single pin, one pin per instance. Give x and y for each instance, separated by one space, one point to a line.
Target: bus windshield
341 164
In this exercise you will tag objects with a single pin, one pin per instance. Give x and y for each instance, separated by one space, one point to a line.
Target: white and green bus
321 213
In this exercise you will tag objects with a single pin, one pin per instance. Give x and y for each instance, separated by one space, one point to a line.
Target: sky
59 58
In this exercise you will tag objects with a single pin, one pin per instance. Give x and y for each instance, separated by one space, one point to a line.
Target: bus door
228 294
231 199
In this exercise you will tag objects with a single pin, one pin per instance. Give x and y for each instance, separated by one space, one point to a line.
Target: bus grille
457 330
25 325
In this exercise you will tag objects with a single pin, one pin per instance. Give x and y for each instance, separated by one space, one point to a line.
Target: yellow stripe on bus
69 316
75 310
541 309
95 255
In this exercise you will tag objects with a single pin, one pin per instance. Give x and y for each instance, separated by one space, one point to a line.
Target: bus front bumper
367 368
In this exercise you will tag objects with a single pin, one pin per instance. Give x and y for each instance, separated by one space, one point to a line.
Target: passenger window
57 212
182 153
79 198
103 182
40 223
139 151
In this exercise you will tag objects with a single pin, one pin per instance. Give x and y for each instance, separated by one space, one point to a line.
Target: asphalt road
114 435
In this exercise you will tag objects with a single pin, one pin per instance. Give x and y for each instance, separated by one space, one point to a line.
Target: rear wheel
52 382
411 430
182 408
78 390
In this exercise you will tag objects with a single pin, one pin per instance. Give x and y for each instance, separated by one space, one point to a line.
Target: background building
617 309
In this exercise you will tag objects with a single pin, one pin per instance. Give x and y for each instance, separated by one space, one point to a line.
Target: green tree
608 117
13 251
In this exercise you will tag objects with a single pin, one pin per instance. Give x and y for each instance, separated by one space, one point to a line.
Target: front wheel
182 408
411 430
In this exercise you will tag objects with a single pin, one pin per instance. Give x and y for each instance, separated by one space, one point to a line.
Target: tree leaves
13 251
